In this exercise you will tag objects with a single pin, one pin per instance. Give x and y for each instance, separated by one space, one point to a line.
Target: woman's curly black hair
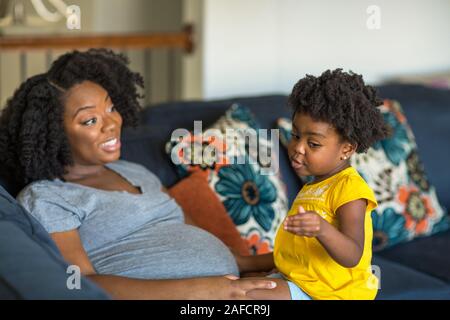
343 100
33 143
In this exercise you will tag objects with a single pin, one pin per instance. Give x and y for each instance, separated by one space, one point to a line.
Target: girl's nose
300 148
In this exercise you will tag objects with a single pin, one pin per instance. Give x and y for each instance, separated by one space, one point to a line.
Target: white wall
136 15
128 16
263 46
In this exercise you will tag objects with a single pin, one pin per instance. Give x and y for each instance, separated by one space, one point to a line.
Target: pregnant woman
60 141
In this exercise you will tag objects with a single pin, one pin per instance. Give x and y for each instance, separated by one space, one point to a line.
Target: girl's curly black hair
33 144
343 100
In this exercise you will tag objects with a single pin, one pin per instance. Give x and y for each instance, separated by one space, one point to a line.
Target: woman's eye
90 122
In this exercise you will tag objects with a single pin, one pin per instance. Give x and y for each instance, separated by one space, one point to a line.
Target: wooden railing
146 42
180 40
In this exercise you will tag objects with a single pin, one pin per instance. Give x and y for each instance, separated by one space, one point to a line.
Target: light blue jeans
296 292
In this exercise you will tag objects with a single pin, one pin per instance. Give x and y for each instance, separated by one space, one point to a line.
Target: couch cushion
183 114
399 282
428 113
248 184
9 187
35 272
11 211
31 266
428 255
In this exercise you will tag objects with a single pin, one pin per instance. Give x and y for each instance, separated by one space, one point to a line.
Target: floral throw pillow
241 176
407 202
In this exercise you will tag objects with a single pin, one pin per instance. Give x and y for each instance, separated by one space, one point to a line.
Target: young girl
324 244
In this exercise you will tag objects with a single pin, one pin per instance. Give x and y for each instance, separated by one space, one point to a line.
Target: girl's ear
348 150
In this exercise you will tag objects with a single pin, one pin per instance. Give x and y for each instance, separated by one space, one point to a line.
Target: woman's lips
111 145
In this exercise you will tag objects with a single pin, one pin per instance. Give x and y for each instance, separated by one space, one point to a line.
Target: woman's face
92 125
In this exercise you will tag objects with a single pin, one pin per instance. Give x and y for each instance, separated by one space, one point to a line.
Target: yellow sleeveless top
305 261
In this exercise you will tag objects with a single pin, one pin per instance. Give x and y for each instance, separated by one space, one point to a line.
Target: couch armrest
29 270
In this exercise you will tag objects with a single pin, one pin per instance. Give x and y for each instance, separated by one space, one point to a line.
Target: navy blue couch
31 266
419 269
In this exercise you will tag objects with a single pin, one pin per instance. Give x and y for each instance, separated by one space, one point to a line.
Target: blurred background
242 47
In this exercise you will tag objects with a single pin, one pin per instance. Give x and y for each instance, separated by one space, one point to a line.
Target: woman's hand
206 288
228 287
305 223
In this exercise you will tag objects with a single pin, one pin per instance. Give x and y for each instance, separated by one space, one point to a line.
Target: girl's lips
111 145
297 165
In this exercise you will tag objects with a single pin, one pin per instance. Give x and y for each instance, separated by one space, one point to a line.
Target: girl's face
92 125
316 149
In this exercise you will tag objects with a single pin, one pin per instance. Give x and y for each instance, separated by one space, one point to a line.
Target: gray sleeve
50 209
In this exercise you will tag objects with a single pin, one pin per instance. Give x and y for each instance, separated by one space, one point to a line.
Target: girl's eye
313 145
112 108
90 122
295 136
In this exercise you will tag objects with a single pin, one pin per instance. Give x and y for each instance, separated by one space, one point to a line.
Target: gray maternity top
139 236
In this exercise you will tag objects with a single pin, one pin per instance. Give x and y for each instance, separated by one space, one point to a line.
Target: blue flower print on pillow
397 146
247 195
242 114
389 229
255 198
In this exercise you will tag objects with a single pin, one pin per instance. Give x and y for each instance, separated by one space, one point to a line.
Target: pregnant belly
165 251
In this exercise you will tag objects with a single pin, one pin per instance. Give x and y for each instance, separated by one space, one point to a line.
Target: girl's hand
305 223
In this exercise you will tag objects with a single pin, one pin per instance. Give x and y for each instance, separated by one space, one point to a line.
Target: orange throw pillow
205 209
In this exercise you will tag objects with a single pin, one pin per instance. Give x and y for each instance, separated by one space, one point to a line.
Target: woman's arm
221 287
71 248
207 288
346 244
